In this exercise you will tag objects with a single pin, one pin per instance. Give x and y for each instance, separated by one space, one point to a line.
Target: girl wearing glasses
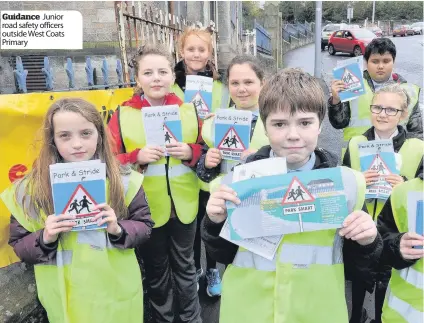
388 108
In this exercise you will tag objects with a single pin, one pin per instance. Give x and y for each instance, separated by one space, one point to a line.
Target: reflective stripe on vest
181 184
247 259
404 299
220 95
307 265
173 171
412 276
402 308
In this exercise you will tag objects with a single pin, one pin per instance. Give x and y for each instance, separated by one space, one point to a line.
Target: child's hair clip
133 62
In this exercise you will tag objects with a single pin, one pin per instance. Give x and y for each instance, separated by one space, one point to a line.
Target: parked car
399 31
409 30
377 31
327 31
351 41
418 28
353 27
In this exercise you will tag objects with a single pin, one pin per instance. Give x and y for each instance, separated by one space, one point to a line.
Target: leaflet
291 203
378 155
263 246
77 188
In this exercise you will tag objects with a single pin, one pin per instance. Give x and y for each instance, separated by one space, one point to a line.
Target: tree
251 10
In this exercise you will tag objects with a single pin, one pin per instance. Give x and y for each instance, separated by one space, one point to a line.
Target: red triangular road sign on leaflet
80 201
199 102
349 78
297 193
169 136
231 138
379 166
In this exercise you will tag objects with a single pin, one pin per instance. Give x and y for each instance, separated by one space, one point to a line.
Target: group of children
157 202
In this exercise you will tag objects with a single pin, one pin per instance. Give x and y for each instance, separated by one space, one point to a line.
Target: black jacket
360 261
391 236
339 114
398 142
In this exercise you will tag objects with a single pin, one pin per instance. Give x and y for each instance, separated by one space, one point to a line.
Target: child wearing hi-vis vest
170 183
196 49
245 76
403 250
81 276
388 109
305 280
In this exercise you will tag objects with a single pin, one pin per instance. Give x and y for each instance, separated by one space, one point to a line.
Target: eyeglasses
376 109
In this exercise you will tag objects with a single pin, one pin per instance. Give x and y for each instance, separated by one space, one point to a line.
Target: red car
401 31
352 41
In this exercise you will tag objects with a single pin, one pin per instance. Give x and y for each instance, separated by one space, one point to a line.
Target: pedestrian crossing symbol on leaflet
297 193
199 103
169 136
231 141
379 166
80 204
350 80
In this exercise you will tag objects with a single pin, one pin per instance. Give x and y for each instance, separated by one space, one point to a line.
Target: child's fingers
227 196
410 253
215 210
60 230
62 217
61 224
155 154
158 149
228 189
214 159
103 206
100 215
354 228
103 221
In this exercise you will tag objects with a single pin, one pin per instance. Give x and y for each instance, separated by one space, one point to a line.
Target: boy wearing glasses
388 109
354 116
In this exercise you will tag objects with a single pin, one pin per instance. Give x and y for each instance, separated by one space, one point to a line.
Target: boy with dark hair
354 116
305 280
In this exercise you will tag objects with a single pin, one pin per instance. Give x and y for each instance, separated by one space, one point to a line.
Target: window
339 34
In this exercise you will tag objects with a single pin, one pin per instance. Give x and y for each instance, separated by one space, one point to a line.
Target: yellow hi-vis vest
303 283
258 140
404 301
168 178
360 114
411 152
220 95
89 280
